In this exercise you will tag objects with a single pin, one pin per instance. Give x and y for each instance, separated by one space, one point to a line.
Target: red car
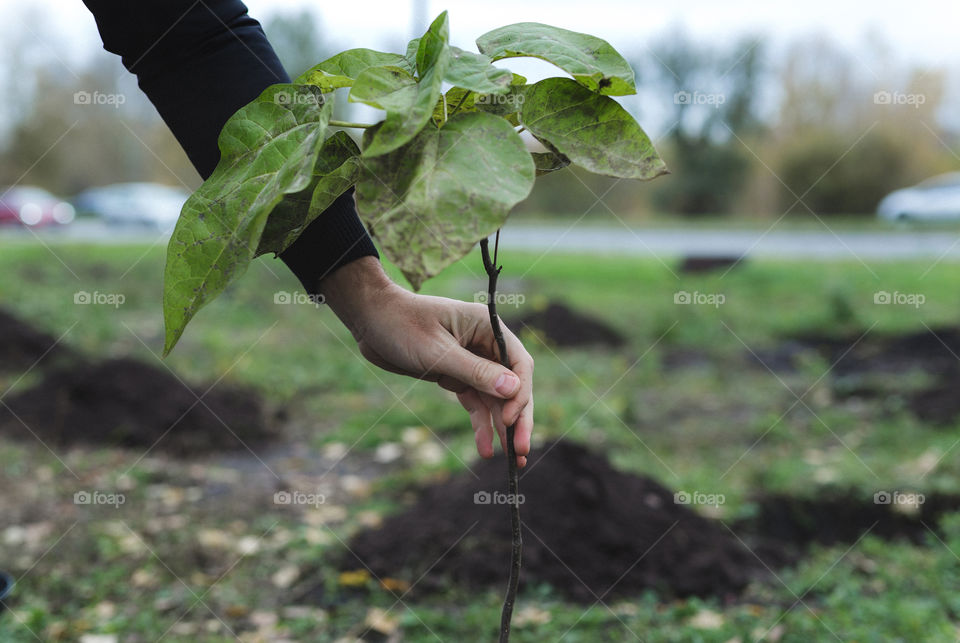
32 206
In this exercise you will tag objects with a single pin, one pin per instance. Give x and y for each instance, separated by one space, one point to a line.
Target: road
784 244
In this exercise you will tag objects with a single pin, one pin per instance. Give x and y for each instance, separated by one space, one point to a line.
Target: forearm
199 63
353 289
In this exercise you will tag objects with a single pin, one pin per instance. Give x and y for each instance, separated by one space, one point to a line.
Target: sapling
440 172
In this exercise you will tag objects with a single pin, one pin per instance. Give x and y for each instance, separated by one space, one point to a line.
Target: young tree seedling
439 173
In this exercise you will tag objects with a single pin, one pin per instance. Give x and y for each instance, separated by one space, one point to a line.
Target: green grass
719 428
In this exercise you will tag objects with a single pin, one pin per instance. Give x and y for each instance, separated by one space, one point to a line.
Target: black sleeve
199 62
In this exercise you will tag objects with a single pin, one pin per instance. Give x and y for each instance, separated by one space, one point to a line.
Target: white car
150 204
937 198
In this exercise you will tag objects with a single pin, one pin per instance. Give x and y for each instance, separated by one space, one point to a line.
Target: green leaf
267 149
337 169
594 131
434 44
428 202
389 88
547 162
591 61
405 121
505 105
344 68
411 56
474 72
457 99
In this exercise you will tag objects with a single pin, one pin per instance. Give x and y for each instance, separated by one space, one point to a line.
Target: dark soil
933 352
589 530
860 364
560 325
126 403
694 264
22 345
792 523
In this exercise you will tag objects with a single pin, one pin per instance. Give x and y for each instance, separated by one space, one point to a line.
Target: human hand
441 340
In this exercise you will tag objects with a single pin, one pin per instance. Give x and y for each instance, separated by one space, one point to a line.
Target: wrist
353 289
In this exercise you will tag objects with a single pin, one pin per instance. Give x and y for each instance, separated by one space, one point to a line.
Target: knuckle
481 372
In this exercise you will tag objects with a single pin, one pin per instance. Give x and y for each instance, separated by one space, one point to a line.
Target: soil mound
126 403
791 523
22 345
560 325
870 367
698 264
589 530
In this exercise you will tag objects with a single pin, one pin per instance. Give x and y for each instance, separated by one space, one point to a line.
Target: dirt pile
119 402
697 264
22 345
872 365
560 325
589 530
790 523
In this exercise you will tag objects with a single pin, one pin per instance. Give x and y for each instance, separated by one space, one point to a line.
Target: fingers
479 373
522 364
522 431
481 420
451 384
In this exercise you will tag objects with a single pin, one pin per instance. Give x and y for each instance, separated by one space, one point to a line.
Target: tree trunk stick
493 271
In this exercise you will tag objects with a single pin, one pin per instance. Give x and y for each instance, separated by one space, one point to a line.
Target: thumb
479 373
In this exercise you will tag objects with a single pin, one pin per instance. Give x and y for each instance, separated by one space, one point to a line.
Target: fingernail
506 384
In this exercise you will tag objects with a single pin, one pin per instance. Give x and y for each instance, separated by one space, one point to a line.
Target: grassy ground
199 550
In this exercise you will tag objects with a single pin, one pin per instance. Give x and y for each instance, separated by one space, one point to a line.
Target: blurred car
149 204
934 199
33 206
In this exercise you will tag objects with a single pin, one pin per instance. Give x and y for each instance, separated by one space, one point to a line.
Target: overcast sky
922 30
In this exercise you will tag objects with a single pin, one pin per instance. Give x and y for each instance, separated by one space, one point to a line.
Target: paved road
792 244
757 243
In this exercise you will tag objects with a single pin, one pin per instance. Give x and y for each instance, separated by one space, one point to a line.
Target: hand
441 340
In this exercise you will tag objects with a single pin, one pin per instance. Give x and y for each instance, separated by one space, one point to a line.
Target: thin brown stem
493 271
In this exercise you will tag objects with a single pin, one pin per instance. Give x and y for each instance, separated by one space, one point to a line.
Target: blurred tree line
816 129
745 130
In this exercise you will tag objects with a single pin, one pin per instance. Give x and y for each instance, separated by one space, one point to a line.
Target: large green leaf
594 131
405 121
344 68
411 56
507 104
428 202
474 72
267 149
591 61
337 169
389 88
